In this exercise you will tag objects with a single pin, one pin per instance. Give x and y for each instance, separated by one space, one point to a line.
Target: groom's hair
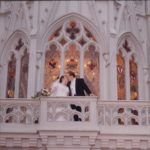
61 79
71 73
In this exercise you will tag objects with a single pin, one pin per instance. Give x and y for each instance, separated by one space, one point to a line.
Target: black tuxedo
80 87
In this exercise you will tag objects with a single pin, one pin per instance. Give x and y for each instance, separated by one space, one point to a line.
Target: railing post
43 112
93 112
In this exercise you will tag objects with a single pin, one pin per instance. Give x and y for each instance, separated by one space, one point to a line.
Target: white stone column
17 77
81 63
127 78
3 80
43 113
148 44
145 78
62 63
32 68
112 79
102 77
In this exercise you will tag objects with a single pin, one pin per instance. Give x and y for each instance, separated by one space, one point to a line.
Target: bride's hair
61 79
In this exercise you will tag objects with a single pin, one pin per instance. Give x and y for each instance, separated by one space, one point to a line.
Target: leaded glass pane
52 65
91 68
11 75
121 76
72 59
133 79
23 85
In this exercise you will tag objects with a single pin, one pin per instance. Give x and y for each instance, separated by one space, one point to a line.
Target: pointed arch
79 31
102 40
135 61
11 77
138 47
17 45
13 38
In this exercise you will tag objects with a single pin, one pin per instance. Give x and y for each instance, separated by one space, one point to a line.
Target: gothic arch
100 43
12 39
56 24
137 51
16 46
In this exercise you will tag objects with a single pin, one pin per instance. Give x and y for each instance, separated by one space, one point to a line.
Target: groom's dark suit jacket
80 87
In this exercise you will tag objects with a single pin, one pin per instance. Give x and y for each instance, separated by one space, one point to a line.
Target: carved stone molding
102 131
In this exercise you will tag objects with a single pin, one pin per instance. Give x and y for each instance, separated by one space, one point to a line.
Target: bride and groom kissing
69 85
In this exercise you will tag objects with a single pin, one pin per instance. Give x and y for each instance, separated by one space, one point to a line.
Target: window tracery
11 76
91 68
127 73
52 65
133 79
73 40
72 59
23 85
18 69
121 76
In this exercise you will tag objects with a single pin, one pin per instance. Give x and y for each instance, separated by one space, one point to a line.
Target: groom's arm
88 91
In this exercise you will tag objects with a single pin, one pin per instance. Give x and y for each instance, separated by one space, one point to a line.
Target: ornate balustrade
69 113
19 111
112 113
69 122
71 109
123 125
25 111
46 113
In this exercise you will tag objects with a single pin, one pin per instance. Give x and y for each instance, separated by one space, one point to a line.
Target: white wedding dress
60 90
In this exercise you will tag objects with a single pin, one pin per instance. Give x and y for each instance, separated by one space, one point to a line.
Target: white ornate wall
110 20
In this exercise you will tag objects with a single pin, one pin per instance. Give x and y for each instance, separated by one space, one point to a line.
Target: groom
77 87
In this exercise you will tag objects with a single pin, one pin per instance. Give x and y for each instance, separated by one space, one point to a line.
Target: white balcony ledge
49 118
52 113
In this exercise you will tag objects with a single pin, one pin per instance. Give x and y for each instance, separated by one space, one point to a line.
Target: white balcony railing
71 113
112 113
74 123
19 111
48 113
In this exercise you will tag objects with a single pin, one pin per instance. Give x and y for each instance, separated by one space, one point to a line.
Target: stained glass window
52 65
133 79
121 76
11 75
72 37
91 68
89 34
72 30
72 59
23 84
55 34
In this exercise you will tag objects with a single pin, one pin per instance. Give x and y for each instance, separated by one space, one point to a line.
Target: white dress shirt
73 88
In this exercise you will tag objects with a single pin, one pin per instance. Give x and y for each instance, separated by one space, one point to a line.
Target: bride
59 87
